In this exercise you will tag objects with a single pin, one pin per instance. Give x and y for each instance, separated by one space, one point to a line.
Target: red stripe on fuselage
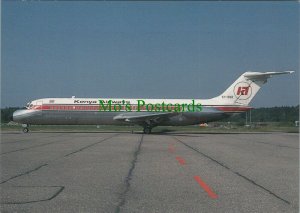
233 109
70 107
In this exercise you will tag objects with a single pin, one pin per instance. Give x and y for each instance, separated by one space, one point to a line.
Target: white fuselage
78 111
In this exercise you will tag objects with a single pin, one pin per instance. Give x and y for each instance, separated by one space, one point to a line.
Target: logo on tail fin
242 91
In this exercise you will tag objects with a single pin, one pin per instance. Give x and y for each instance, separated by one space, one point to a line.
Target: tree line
6 114
268 114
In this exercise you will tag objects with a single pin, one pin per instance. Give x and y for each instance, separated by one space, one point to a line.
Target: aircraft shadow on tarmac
160 132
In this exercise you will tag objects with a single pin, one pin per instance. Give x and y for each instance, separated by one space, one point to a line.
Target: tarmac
166 172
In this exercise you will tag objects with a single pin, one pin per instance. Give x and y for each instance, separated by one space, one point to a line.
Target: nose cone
20 115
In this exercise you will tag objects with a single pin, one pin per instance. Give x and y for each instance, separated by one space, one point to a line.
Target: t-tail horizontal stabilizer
243 90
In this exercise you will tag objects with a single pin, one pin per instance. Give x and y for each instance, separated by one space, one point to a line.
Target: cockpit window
29 105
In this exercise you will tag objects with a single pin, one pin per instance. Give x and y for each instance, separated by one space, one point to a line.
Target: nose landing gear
25 128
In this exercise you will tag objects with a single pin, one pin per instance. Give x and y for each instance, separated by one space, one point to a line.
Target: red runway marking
206 187
171 148
180 160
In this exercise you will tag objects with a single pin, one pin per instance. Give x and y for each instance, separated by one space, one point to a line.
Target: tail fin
245 88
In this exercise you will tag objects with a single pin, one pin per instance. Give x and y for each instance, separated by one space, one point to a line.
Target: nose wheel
25 128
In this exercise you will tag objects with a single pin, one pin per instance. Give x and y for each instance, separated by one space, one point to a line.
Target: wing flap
141 118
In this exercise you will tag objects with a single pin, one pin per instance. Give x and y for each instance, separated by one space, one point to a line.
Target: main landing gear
25 128
147 130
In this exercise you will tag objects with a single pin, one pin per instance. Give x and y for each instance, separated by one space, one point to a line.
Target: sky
192 50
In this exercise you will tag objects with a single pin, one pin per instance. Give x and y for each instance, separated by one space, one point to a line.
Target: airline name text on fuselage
97 102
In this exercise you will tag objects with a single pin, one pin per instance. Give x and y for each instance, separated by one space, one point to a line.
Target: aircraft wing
144 118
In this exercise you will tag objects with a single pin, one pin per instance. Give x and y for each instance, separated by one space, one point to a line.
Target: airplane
103 111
